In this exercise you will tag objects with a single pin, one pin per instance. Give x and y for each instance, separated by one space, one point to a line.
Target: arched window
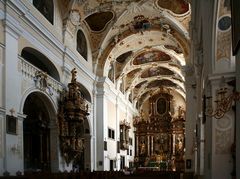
82 44
46 8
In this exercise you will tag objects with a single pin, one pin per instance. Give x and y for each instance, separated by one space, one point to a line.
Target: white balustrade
29 71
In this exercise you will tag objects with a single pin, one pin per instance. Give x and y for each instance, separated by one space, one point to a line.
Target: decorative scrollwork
73 111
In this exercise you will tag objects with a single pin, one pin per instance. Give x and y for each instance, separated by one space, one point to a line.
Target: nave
106 175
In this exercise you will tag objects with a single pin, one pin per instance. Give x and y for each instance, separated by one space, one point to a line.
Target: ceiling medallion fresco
156 72
161 83
176 6
98 21
152 56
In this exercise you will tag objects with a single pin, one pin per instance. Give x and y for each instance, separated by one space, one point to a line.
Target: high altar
160 136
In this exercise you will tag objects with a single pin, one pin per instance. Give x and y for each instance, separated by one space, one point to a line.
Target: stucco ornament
75 17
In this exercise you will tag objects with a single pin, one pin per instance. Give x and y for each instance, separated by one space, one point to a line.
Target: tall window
46 8
82 44
111 133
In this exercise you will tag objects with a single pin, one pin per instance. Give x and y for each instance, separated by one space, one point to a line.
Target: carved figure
74 75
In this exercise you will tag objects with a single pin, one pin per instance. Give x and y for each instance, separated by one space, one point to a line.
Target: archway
40 61
83 161
37 132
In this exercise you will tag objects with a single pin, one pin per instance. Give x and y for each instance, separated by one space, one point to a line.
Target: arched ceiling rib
146 43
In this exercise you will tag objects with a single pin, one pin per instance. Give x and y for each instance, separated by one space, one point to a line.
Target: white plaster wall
100 127
2 124
190 124
222 139
1 75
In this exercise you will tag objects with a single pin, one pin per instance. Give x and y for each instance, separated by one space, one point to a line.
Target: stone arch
39 133
39 60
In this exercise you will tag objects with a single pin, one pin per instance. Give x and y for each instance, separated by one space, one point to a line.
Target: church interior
120 87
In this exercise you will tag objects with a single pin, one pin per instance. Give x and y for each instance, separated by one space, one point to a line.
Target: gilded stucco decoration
136 44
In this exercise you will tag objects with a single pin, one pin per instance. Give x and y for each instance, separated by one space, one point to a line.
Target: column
12 97
117 134
87 151
238 116
93 116
137 148
151 145
190 123
54 146
148 142
101 125
173 144
2 141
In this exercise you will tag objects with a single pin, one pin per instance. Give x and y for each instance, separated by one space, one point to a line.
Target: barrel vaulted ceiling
140 45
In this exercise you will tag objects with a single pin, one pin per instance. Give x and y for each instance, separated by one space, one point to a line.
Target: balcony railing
30 71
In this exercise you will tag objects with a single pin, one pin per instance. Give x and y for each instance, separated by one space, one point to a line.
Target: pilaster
238 116
101 124
190 123
11 102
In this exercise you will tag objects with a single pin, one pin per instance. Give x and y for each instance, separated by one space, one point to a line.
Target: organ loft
160 134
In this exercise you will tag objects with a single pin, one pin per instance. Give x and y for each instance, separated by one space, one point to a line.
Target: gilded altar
159 138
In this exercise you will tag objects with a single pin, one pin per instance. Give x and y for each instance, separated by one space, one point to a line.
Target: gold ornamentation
223 103
124 134
73 111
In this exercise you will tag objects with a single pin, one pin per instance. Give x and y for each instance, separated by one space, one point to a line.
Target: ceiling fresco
140 45
153 56
176 6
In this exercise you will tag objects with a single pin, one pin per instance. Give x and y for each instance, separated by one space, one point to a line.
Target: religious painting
82 44
46 8
176 6
152 56
161 106
156 72
11 124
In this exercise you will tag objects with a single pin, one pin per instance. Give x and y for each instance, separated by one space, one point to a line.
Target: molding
2 45
2 15
12 27
218 76
21 116
35 23
2 110
44 32
77 62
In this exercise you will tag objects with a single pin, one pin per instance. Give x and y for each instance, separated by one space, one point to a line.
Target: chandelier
223 102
